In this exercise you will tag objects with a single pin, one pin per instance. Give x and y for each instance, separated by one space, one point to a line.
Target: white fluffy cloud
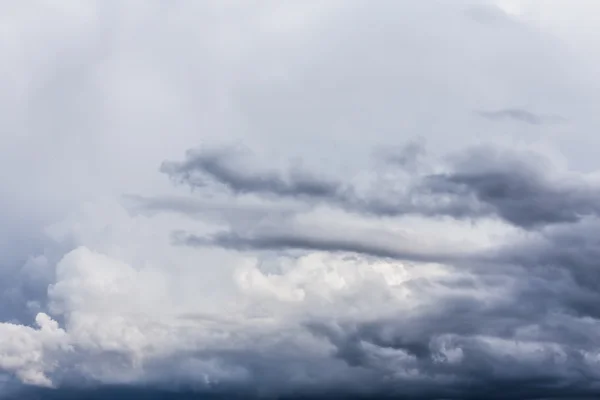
30 353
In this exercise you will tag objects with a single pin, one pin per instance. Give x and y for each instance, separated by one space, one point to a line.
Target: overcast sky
299 198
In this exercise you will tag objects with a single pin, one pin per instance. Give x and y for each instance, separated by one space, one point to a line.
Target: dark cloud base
503 390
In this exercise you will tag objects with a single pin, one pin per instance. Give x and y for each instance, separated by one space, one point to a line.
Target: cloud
296 183
280 240
409 157
26 352
519 115
470 331
220 210
309 266
520 187
515 186
488 14
202 168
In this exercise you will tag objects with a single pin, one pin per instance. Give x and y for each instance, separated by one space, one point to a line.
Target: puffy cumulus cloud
298 200
27 352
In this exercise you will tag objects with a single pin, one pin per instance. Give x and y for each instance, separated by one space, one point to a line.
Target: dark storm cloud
566 258
519 115
518 322
503 391
518 189
550 299
481 182
202 168
118 393
558 265
540 293
214 165
480 331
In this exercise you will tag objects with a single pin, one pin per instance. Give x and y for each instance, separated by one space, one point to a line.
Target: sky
318 199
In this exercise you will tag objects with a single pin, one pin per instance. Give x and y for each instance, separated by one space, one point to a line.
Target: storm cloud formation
539 291
288 200
518 188
296 183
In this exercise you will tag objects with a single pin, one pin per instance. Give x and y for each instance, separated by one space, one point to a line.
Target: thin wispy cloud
520 115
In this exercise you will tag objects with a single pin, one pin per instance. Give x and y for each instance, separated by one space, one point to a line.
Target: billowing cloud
212 200
520 187
203 168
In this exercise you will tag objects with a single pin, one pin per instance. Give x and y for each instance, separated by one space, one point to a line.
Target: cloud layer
206 199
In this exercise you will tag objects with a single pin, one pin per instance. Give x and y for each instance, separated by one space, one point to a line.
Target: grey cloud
136 85
214 165
551 299
281 240
203 167
482 182
508 390
221 210
519 189
471 327
25 272
409 157
487 14
121 392
549 282
567 254
519 115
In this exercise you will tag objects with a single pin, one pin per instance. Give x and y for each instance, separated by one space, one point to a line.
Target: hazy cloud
284 241
519 115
